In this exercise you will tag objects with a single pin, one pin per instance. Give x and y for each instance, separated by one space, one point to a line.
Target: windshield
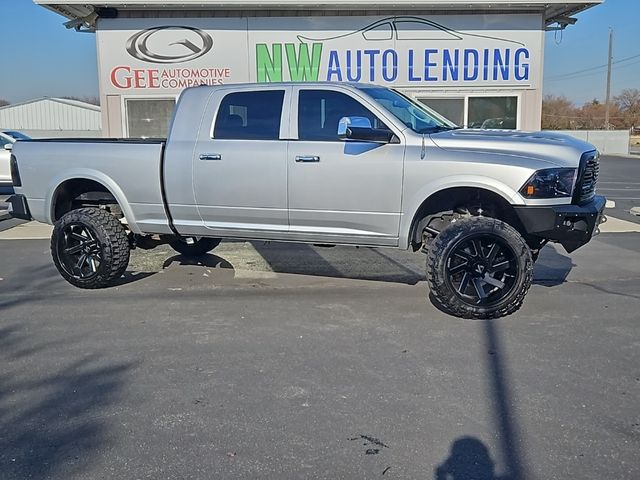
415 115
16 135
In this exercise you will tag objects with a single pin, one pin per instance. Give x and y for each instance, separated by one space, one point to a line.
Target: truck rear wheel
90 248
199 247
479 267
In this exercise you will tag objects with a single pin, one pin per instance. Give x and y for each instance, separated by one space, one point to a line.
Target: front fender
413 203
98 177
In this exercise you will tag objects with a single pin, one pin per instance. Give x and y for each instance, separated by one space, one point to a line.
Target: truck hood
553 148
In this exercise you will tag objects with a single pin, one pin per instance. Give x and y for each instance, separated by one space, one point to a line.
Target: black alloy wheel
79 251
482 269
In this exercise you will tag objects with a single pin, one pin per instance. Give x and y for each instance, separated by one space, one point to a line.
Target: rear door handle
307 158
210 156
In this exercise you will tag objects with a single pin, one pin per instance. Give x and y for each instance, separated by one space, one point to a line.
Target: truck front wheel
90 248
196 248
479 267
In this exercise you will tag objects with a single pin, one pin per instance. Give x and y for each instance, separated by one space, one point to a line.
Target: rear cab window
254 115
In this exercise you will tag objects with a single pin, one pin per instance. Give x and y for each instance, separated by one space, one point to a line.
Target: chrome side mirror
359 128
348 122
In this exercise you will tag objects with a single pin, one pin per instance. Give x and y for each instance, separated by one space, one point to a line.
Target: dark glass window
450 108
493 112
320 111
250 116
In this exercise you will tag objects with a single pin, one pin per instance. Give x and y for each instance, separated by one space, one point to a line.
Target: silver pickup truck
323 163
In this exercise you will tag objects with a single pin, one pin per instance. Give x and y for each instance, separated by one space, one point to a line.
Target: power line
578 72
590 74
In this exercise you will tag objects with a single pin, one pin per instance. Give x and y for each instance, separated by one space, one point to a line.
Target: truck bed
130 168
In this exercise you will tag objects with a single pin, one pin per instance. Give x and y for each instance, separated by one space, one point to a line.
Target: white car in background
7 139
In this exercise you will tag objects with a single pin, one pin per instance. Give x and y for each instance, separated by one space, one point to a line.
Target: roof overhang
553 11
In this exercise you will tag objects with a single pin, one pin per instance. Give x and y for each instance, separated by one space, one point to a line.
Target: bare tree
4 103
558 113
592 116
629 104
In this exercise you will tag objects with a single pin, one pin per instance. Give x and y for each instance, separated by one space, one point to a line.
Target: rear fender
96 176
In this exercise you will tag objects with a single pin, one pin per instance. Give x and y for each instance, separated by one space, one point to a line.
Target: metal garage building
52 117
477 62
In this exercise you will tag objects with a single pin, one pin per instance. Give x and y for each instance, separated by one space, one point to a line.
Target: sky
584 46
42 58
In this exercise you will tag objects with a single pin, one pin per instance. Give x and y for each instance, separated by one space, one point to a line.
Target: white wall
50 114
611 142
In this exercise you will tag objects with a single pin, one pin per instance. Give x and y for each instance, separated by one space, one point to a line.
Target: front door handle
307 158
210 156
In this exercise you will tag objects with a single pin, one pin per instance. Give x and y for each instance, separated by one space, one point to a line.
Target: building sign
461 51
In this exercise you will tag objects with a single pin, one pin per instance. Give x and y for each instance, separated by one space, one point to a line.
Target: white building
52 117
477 62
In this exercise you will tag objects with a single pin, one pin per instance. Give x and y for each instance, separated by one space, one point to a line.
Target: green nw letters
302 66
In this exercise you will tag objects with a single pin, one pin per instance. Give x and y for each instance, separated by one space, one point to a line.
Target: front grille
587 177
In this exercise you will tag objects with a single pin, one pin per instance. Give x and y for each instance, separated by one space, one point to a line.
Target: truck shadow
303 259
209 260
52 421
341 262
552 267
357 263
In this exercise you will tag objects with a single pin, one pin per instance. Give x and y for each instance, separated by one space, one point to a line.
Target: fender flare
98 177
458 181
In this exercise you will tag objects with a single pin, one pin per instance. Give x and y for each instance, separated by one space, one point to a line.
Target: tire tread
116 249
447 301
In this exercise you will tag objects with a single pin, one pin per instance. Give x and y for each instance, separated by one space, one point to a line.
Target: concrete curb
27 231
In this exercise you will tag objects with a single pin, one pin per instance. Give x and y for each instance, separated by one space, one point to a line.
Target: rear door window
250 116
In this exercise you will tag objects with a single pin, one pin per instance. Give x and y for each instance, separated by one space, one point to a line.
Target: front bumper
570 225
18 207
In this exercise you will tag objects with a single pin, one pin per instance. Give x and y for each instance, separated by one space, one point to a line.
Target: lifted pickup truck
321 163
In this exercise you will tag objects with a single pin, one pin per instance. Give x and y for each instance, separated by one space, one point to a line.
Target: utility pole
608 101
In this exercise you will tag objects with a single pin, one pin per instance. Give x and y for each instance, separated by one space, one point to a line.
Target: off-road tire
110 238
199 247
443 293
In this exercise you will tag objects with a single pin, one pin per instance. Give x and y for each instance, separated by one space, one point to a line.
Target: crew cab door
341 191
239 161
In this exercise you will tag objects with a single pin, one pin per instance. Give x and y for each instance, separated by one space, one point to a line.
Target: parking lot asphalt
620 181
291 361
269 360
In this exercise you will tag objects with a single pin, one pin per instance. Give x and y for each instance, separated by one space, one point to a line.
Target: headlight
550 183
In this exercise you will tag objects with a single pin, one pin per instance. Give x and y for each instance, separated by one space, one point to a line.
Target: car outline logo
393 32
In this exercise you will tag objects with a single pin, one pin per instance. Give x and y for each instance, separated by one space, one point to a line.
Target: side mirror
359 128
8 146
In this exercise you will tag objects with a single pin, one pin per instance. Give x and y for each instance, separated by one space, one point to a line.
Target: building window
450 108
493 112
149 118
